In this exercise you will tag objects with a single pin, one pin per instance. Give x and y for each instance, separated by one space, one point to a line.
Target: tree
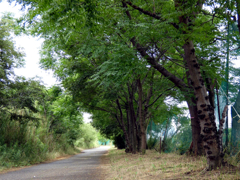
10 57
146 33
85 81
15 92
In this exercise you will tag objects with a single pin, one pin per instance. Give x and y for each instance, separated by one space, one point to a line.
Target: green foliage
175 134
182 141
151 143
88 137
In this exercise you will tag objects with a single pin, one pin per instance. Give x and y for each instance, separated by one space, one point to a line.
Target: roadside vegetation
27 145
88 137
36 123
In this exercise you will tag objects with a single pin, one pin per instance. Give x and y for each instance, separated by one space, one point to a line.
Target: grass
119 165
9 162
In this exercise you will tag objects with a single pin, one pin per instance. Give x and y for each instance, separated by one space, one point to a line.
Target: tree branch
143 51
148 13
177 81
160 96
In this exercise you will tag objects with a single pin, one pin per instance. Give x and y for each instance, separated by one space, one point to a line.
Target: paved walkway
82 166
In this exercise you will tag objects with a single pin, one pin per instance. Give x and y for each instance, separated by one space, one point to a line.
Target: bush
119 141
182 140
151 143
88 137
24 144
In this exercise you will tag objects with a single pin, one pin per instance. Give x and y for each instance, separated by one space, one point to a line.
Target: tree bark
133 123
196 129
220 131
123 125
141 121
138 138
129 130
205 110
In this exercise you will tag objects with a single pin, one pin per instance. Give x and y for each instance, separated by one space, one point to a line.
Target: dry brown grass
119 165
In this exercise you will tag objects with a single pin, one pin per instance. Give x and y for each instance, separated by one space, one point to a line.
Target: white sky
86 117
31 46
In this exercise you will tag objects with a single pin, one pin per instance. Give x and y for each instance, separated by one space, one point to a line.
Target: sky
31 46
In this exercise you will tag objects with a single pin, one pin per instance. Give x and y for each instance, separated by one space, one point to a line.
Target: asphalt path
83 166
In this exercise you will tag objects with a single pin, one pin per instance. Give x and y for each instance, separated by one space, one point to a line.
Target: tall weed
24 144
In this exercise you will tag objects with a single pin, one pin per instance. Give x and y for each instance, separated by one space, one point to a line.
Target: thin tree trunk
165 136
134 136
133 122
138 139
218 107
129 130
220 131
123 125
141 123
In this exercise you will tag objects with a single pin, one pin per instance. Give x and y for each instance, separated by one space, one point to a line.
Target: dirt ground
119 165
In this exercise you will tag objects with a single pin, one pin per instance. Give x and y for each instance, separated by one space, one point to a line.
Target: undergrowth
26 144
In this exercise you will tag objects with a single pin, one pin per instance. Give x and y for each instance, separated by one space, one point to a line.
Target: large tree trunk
205 110
196 129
